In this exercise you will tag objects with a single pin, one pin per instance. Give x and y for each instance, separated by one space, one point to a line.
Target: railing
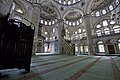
68 45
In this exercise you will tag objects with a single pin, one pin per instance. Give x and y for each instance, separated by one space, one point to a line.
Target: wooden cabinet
16 41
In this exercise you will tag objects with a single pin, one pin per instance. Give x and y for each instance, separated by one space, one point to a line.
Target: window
116 29
64 2
98 26
41 21
107 31
76 49
73 23
69 2
111 7
80 20
98 32
83 30
105 23
46 38
70 23
60 1
104 11
79 30
19 10
53 30
45 32
101 46
50 23
74 1
81 48
66 22
75 32
77 22
112 22
97 13
117 2
86 48
53 22
45 22
80 35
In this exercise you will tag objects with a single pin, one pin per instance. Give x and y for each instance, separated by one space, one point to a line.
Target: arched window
104 11
60 1
69 2
79 30
98 26
77 22
53 22
107 31
86 48
46 22
111 7
105 23
70 23
112 22
98 32
74 1
97 13
41 21
116 29
64 2
76 48
80 20
50 23
19 11
73 23
101 46
81 48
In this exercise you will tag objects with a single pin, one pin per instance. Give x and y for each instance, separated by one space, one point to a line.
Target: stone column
89 35
116 48
5 7
60 28
35 21
106 49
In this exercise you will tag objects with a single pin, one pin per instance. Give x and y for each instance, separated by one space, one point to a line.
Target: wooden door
111 49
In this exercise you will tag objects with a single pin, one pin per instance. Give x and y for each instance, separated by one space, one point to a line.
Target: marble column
60 29
35 21
116 48
91 50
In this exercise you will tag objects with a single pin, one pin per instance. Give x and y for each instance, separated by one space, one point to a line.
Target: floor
62 67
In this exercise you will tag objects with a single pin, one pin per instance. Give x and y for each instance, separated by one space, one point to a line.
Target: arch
70 9
73 16
22 6
56 10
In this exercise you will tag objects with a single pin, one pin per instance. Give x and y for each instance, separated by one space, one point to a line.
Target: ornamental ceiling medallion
73 15
48 12
100 4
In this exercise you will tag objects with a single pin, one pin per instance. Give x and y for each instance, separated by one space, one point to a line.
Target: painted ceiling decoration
48 12
67 2
99 4
73 15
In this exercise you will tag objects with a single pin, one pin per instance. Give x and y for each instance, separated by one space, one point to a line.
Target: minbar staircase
67 47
